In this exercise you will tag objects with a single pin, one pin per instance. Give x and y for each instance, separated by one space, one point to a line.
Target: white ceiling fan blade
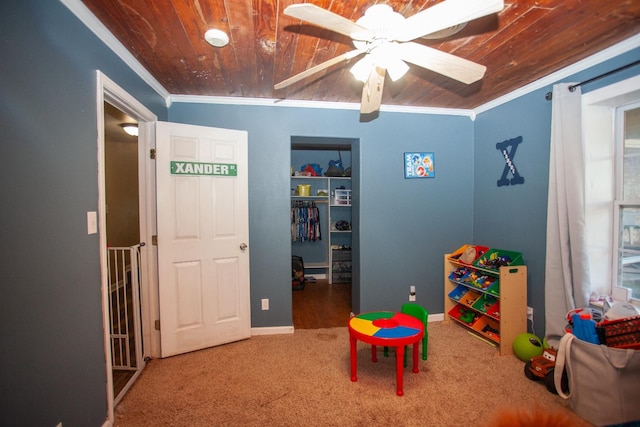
443 15
329 20
441 62
446 32
306 73
372 91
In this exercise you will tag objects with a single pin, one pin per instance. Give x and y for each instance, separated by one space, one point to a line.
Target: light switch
92 222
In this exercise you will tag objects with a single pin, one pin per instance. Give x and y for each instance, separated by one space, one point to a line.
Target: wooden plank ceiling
528 40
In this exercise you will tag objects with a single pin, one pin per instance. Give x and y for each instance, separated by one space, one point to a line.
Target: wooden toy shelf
490 302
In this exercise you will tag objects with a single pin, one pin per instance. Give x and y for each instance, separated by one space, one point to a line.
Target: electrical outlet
530 314
412 293
92 222
265 303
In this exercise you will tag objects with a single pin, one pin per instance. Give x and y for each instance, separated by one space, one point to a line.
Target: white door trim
107 90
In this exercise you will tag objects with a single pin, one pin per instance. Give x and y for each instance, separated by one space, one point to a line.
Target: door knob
243 246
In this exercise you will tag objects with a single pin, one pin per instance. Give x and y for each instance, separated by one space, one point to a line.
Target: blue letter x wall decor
508 158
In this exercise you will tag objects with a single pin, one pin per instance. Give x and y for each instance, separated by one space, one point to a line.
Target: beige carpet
303 379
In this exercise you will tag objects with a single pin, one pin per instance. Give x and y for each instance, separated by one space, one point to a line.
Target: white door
203 233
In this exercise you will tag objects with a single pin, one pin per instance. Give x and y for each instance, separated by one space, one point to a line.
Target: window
627 203
611 134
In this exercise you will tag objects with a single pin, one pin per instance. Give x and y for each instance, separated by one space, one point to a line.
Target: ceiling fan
384 36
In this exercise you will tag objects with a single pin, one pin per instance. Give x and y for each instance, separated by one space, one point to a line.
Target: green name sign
195 168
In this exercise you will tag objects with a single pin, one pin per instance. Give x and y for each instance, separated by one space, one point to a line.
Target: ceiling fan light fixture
362 69
397 69
216 38
130 128
381 19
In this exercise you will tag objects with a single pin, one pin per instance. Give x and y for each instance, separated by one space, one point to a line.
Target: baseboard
272 330
436 317
281 330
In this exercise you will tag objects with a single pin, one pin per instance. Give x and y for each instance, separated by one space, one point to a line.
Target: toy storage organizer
327 251
487 294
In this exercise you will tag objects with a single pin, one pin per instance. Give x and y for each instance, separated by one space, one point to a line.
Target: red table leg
354 356
416 346
374 354
399 369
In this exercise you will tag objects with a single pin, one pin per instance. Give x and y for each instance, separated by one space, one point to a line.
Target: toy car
542 367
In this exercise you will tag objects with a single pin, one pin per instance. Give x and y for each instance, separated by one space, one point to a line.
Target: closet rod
308 201
572 88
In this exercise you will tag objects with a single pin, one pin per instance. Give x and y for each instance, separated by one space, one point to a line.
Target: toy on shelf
496 262
496 258
467 254
489 328
463 314
467 316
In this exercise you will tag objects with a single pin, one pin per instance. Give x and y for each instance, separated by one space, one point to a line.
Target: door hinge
152 154
154 240
157 325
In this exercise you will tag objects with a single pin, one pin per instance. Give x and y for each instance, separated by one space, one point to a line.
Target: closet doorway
324 198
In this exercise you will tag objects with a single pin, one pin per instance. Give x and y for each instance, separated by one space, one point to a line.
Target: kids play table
390 329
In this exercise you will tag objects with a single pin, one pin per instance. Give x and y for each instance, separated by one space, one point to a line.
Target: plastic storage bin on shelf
341 265
494 311
496 258
304 190
342 197
484 303
470 298
467 254
458 292
489 328
463 315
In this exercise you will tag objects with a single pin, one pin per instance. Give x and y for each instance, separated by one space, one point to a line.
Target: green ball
527 346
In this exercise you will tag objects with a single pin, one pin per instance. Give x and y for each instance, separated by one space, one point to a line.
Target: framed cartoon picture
419 165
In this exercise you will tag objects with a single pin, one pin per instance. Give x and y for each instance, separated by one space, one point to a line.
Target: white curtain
566 268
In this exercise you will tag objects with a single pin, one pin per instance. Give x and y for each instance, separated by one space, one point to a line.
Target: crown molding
291 103
90 21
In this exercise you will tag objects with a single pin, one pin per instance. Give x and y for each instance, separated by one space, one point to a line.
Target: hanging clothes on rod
305 221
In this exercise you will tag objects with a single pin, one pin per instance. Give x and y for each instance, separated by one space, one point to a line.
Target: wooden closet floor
321 305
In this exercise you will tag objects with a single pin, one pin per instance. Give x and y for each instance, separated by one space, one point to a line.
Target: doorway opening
123 247
109 95
324 189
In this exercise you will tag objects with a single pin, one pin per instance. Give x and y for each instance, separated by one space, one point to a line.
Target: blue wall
515 217
405 225
51 334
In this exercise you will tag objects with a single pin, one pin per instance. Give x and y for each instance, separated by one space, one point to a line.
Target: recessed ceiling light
217 38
